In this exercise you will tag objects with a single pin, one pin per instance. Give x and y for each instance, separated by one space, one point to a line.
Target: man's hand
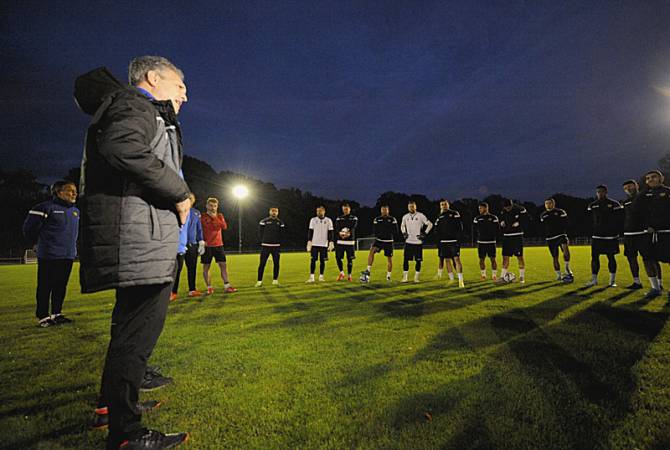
309 246
182 210
201 248
331 246
421 237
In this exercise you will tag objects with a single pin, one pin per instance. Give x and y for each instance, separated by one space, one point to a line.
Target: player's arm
34 222
224 224
331 236
125 144
403 227
310 235
428 224
261 229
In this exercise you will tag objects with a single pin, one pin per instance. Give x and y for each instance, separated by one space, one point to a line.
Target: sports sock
612 277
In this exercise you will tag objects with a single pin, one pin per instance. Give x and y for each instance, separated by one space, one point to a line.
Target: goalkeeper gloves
422 237
201 248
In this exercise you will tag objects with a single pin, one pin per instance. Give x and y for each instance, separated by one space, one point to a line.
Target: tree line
20 189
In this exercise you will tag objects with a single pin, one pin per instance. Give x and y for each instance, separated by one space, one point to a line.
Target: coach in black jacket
132 199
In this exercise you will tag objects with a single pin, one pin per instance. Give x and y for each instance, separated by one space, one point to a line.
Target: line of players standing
643 219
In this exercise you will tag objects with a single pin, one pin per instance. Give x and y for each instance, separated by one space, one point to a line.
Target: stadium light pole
240 192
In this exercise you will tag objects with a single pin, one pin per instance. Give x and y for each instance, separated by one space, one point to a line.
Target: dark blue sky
350 99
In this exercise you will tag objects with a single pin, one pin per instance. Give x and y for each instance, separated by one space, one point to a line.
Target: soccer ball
345 233
509 277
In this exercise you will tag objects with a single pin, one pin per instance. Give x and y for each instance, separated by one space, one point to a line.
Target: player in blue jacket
191 244
53 225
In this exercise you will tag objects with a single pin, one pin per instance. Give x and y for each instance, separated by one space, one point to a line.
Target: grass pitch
345 365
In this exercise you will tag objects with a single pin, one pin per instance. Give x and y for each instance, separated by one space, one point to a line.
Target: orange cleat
340 277
349 278
173 296
195 293
210 290
230 290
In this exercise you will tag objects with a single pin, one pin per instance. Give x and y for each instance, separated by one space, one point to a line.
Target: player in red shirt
213 225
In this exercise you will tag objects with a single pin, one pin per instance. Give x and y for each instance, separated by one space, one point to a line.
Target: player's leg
314 255
276 256
406 258
481 252
323 257
175 285
459 270
418 258
494 266
565 248
265 254
634 271
351 255
389 267
522 267
611 267
450 268
223 266
339 256
505 266
191 260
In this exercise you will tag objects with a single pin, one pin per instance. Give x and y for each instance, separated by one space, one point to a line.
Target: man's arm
124 144
34 222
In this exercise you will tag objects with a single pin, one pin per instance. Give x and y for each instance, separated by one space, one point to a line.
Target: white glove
331 246
309 246
201 248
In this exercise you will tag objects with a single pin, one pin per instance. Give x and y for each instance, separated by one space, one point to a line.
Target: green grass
344 365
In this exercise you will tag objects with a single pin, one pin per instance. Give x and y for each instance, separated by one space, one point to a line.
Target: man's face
507 207
320 212
68 193
601 193
444 205
212 207
346 209
385 210
169 86
653 180
549 205
274 212
630 189
483 209
411 207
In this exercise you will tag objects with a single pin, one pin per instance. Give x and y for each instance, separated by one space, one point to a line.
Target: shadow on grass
576 373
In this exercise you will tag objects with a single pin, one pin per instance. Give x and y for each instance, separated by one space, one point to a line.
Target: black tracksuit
271 231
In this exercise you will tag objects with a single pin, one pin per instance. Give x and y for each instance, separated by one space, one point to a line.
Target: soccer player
607 222
449 231
657 208
414 228
345 231
486 228
635 237
555 222
319 242
191 245
271 230
513 220
385 228
213 226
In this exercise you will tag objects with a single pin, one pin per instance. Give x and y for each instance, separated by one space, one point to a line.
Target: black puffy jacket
129 184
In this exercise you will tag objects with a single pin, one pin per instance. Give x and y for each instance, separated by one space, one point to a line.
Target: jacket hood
91 88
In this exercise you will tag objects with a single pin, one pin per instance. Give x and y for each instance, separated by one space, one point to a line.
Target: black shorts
448 250
604 246
637 243
319 252
344 249
378 246
485 250
213 252
661 247
512 246
413 252
555 243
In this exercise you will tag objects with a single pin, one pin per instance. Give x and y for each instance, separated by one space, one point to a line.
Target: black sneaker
154 440
46 322
634 286
652 293
153 380
60 319
101 419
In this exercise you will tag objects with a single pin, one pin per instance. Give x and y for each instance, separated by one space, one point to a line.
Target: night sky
351 99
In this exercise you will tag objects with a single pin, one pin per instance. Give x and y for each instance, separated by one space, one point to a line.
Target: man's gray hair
140 66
